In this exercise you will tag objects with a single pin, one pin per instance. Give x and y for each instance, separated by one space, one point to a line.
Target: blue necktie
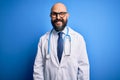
60 46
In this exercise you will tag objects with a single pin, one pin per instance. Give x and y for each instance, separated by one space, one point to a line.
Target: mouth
58 22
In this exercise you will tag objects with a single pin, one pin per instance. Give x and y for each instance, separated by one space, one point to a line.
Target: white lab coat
72 67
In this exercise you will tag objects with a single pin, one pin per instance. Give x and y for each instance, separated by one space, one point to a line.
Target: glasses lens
55 14
62 14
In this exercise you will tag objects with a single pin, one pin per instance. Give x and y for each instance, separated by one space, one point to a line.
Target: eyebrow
59 12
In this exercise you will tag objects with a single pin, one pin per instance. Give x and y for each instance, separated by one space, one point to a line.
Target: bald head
59 7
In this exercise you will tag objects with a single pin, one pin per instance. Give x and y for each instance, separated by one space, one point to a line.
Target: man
61 52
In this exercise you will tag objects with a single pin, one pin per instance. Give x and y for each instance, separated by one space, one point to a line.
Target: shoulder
77 37
44 37
75 34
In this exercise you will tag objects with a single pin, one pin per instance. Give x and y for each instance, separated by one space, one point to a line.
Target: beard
59 28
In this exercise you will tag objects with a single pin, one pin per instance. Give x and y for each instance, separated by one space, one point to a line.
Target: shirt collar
64 31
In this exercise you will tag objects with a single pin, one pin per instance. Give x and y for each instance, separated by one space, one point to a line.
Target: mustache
58 20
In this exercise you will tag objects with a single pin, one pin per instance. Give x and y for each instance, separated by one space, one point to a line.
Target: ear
50 15
67 15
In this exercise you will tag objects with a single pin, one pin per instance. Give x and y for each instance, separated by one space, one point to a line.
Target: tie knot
60 34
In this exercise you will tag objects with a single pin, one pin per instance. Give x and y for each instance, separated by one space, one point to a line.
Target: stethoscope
67 43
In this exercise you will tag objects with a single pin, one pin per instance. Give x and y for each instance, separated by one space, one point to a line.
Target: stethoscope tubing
67 35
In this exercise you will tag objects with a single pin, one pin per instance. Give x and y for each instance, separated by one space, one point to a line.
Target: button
47 56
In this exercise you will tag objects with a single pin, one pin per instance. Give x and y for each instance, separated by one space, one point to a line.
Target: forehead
58 8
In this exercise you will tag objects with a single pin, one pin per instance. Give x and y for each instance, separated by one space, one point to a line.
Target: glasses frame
55 14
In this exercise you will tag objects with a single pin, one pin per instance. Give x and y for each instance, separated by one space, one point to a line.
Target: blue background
22 22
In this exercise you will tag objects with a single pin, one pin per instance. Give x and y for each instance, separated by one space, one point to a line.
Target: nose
58 16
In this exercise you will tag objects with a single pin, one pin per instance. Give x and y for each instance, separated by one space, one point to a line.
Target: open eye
53 14
61 14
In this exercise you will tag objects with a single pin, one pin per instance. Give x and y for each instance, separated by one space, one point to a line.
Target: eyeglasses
55 14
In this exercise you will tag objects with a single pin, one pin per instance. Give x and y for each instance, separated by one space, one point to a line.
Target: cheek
65 18
52 19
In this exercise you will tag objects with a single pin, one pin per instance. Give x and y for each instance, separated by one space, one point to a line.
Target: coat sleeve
83 63
38 73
